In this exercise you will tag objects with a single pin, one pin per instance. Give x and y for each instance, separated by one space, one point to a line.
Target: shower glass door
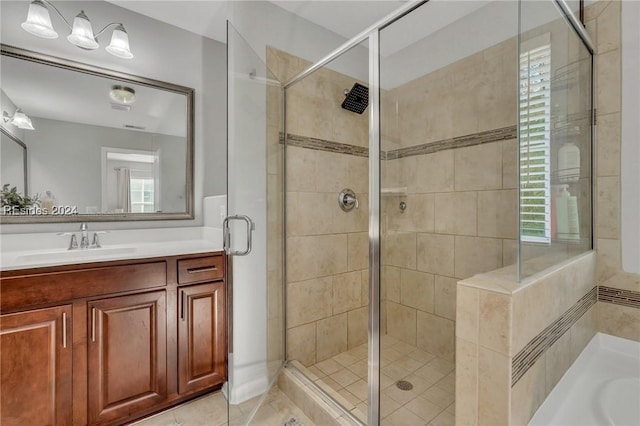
448 189
254 234
327 122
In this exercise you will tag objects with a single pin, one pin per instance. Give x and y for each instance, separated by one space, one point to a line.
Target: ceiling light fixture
18 119
122 95
39 24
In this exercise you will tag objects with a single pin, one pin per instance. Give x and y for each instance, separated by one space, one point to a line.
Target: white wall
477 31
11 155
65 158
12 163
263 24
7 105
162 52
630 136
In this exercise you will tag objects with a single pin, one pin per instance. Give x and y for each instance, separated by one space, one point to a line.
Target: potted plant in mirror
15 203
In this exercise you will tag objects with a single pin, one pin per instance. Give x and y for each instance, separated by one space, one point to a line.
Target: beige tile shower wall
616 319
461 215
275 221
474 94
496 318
327 249
604 27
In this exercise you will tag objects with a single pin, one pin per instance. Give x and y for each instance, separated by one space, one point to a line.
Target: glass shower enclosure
447 140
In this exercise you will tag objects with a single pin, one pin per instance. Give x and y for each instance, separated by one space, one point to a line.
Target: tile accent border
495 135
533 350
618 296
324 145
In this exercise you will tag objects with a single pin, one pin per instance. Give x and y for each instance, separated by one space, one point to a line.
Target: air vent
131 126
120 107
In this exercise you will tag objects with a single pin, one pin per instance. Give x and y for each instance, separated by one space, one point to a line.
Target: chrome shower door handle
227 234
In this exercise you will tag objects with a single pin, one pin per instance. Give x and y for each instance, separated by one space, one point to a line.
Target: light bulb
82 33
119 45
38 21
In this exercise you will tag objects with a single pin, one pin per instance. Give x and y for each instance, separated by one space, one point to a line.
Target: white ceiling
346 18
83 98
205 17
208 17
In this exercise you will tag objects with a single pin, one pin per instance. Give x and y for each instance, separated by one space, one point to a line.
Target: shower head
357 99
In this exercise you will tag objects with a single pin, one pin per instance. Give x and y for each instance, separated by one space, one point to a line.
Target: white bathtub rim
555 405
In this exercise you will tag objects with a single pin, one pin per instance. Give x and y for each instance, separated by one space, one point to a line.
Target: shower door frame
372 34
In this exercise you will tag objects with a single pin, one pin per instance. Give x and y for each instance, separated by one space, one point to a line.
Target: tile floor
430 402
211 410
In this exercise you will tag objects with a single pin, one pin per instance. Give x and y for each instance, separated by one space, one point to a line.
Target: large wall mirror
13 162
104 145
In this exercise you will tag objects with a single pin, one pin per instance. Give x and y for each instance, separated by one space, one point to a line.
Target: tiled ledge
504 326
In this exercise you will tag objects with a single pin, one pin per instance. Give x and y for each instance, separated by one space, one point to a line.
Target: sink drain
404 385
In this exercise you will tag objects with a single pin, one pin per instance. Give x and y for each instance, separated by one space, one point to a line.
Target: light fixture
38 23
18 119
82 33
119 45
122 95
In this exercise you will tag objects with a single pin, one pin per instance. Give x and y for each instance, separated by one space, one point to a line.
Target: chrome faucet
84 239
96 239
73 243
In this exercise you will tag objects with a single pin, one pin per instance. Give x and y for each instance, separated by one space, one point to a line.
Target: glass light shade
21 120
82 33
122 95
119 45
38 21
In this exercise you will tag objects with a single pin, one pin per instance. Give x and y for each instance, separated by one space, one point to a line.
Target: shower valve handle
347 200
350 200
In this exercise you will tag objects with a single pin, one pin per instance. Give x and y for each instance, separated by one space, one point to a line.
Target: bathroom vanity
110 341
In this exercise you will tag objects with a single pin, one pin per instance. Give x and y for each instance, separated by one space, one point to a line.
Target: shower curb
313 400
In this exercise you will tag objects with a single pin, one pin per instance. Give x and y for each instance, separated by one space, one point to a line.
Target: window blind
535 141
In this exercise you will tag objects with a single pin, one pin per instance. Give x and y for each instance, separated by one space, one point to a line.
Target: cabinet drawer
49 287
201 269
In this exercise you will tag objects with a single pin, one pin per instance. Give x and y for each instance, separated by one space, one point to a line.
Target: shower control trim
347 200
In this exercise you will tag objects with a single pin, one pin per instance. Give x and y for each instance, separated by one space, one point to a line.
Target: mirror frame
66 64
24 156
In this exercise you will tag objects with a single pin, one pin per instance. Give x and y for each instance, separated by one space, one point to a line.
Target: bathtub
601 388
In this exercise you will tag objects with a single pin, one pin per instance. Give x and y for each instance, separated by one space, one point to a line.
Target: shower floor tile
430 402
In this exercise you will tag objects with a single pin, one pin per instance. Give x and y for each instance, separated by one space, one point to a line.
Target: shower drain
404 385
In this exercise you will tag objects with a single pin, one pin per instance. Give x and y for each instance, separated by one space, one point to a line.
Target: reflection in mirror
107 145
13 162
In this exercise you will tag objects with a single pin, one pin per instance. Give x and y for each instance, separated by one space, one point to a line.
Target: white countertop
21 251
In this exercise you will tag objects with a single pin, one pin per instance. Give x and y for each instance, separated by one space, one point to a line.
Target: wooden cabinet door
35 367
127 355
201 337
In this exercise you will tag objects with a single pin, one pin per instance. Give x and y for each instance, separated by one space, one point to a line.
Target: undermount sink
84 254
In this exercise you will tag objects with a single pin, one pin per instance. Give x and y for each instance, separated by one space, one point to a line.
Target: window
142 190
140 169
535 141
